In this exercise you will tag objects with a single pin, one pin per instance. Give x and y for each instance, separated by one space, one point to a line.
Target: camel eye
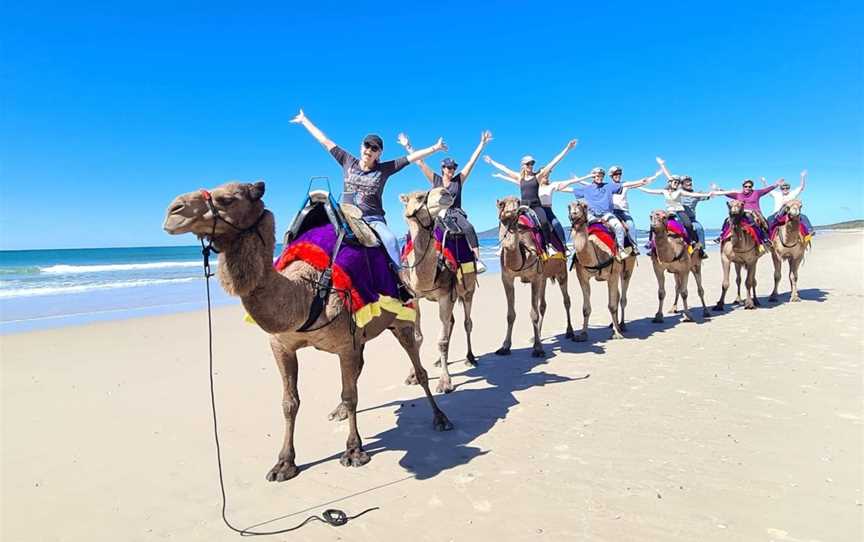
225 200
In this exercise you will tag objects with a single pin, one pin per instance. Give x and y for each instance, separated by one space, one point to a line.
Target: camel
671 255
742 250
235 220
421 273
789 245
592 261
519 259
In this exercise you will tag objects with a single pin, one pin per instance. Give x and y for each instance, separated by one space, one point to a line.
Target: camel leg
626 275
793 278
585 284
738 283
538 304
614 300
511 314
411 379
562 283
674 308
697 275
405 335
721 303
467 302
286 360
351 363
445 314
755 298
750 286
681 289
661 290
778 268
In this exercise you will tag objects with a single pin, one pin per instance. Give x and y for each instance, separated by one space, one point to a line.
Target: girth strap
323 287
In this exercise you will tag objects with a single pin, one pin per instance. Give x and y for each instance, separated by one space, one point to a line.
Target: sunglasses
785 187
449 167
748 186
373 148
530 163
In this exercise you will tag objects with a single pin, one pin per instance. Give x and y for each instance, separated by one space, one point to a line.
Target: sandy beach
745 427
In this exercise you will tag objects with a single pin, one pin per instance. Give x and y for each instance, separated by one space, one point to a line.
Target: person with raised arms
529 182
598 195
546 190
750 198
783 195
454 182
364 178
690 199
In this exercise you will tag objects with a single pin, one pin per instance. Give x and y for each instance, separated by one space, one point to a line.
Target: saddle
320 208
781 220
749 223
603 232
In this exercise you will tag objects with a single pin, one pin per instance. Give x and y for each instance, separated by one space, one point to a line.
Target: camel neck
246 271
584 252
422 262
665 248
512 258
791 231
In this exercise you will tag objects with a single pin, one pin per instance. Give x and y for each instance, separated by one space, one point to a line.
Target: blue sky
108 111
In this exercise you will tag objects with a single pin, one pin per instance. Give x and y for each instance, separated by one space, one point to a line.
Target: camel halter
513 228
217 216
428 228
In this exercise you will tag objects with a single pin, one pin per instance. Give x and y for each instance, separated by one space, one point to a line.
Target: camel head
736 209
238 206
793 208
578 212
508 210
659 218
426 206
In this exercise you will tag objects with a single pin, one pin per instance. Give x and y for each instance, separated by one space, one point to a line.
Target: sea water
50 288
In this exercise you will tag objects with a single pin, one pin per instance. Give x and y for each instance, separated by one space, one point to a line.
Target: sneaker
479 267
703 254
623 254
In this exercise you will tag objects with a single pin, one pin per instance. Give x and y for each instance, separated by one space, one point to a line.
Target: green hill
847 225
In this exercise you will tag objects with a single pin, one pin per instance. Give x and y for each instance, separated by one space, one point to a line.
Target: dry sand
747 427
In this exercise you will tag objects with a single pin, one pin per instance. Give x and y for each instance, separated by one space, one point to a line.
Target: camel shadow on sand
474 412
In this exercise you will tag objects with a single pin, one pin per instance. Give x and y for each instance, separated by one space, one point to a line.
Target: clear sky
109 109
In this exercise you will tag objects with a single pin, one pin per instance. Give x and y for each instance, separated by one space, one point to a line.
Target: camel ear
256 190
403 198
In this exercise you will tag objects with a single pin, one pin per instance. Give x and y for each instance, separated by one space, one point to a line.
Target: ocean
42 289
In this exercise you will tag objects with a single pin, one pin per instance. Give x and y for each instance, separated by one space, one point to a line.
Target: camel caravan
343 278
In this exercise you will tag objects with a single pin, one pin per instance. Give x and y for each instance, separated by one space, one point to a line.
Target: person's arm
717 191
506 178
762 191
501 167
655 191
485 138
428 151
312 129
567 182
641 182
427 171
803 182
547 169
704 195
662 163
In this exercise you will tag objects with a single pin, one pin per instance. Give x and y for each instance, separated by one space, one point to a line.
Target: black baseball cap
374 139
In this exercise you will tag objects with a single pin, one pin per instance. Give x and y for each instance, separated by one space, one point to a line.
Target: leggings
556 224
545 226
625 217
461 219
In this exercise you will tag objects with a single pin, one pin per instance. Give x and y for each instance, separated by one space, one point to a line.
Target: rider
546 191
783 196
690 199
751 197
529 185
364 178
598 195
453 183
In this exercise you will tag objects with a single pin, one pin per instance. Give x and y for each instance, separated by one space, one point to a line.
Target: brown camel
234 218
671 255
591 260
789 245
519 259
742 250
422 275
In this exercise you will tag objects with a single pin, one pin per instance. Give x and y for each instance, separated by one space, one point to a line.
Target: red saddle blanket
604 234
454 250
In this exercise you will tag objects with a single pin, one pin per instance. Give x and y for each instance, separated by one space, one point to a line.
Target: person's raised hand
299 118
485 137
403 139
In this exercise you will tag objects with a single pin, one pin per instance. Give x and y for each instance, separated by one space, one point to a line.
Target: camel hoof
616 336
537 352
749 306
581 338
569 334
444 386
470 360
441 423
687 318
354 457
340 413
658 318
411 380
673 310
736 302
718 308
503 351
282 471
795 299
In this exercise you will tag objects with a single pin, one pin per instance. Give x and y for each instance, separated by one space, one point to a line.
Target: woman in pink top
750 197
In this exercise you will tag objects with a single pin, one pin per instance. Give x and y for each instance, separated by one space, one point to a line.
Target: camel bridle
217 217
